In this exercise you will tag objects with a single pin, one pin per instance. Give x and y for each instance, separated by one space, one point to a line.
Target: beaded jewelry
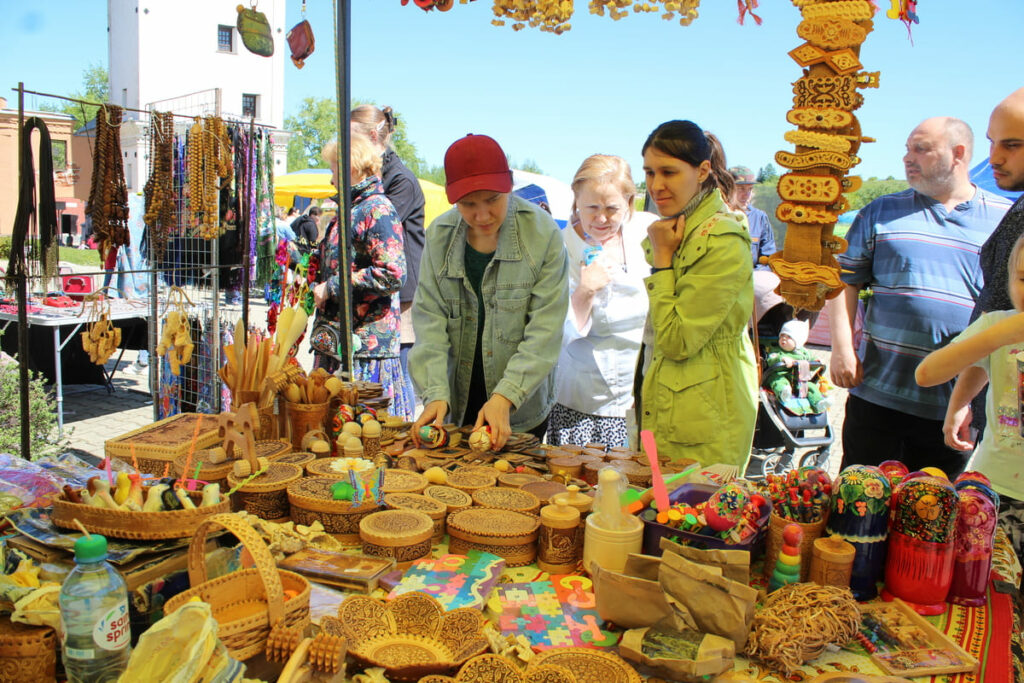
159 190
108 197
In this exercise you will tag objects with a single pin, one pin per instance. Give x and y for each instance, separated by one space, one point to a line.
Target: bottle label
113 631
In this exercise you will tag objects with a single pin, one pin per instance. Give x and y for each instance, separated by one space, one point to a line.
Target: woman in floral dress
378 272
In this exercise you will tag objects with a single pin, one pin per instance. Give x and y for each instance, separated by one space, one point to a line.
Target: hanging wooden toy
102 338
175 337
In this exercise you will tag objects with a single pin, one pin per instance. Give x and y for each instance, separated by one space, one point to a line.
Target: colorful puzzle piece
556 613
455 580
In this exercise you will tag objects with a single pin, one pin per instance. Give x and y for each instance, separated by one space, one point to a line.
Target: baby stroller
784 440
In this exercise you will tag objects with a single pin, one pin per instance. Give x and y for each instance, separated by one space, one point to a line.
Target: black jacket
305 228
402 188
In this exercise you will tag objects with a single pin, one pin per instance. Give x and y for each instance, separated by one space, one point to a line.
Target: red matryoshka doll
974 539
919 566
860 516
893 469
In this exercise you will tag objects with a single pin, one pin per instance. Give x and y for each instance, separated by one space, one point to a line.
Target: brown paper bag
735 564
632 598
716 604
714 654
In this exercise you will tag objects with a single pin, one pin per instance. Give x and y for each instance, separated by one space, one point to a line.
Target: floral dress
378 271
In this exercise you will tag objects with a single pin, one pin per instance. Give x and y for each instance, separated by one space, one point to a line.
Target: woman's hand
432 412
495 413
596 276
320 295
665 236
957 429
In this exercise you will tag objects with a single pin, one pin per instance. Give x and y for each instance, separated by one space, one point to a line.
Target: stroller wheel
817 457
765 462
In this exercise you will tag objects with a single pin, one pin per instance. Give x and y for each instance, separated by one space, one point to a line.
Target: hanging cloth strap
45 213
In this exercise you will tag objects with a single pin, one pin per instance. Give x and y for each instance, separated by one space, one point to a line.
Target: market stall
303 536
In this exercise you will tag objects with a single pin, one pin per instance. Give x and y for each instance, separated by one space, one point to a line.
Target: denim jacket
526 295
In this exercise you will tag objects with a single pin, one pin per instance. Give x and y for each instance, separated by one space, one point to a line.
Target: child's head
1015 274
793 335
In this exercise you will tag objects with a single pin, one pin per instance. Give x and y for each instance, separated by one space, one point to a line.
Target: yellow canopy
315 183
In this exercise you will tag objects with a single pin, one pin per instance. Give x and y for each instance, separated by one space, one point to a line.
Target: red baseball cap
475 162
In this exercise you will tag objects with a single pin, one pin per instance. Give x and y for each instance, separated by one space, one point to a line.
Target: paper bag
632 598
716 604
705 654
735 564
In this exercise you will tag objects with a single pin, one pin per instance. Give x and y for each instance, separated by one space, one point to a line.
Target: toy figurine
974 539
788 374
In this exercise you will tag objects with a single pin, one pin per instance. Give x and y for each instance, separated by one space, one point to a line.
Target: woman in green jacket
700 379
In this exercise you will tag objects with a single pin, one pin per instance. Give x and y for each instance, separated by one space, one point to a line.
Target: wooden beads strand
550 15
107 206
160 217
210 169
686 10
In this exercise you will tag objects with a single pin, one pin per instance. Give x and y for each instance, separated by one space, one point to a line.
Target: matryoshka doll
860 515
919 567
974 539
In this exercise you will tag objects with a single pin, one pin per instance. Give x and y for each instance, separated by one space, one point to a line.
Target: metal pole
344 68
23 342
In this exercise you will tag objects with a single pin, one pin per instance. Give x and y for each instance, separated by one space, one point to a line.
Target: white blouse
598 361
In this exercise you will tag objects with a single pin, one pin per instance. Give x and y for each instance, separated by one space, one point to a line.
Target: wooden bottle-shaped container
581 502
558 546
832 561
371 444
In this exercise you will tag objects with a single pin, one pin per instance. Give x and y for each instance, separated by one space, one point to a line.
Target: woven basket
28 654
248 602
135 526
305 417
311 501
812 531
157 445
266 496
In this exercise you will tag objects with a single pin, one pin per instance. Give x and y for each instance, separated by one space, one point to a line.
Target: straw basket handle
256 547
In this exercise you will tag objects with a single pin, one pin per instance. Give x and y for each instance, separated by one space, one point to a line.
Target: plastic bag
183 648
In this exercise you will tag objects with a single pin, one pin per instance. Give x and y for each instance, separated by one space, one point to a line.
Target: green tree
316 123
528 165
767 174
95 88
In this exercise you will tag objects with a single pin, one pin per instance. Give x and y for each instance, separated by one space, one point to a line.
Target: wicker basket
134 526
248 602
311 500
505 533
812 531
157 445
266 496
305 417
28 654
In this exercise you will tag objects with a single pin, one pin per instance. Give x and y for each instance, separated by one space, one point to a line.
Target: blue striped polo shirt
922 263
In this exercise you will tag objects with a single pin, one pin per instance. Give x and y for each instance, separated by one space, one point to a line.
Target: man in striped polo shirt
918 252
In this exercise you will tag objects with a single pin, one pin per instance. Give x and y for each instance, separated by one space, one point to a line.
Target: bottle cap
92 548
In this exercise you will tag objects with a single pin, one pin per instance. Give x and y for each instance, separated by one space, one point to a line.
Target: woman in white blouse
608 306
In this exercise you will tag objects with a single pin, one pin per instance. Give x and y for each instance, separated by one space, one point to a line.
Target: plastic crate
692 494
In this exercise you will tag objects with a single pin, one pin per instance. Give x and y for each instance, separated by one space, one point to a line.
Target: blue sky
601 87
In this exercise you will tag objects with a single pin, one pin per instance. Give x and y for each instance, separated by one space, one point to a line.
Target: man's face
929 160
743 194
1006 150
484 211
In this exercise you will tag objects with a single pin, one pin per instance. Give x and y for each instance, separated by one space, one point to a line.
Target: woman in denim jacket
700 382
491 301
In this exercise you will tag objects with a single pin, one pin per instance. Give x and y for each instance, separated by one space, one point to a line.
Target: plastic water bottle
94 611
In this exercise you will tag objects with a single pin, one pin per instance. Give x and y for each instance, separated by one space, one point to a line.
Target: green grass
81 257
